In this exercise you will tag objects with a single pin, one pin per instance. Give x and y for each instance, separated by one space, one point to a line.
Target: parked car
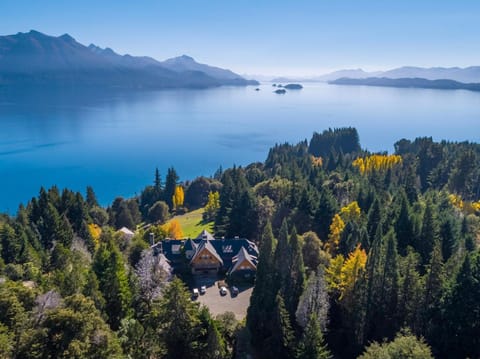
234 290
195 292
203 289
223 290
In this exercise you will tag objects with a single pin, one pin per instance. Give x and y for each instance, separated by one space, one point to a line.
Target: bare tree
153 272
314 300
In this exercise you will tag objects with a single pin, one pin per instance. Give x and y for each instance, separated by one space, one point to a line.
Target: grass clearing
192 223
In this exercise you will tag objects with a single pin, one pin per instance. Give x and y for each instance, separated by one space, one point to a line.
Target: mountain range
466 75
443 84
35 58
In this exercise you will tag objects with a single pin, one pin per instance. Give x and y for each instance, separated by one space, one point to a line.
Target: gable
204 255
244 265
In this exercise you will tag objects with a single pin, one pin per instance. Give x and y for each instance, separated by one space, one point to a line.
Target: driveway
219 304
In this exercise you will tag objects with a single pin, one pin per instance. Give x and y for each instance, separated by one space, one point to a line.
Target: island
293 87
408 83
280 91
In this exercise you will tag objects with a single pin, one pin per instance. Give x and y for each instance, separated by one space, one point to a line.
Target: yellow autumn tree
352 270
342 274
172 229
376 163
351 212
95 231
336 229
212 206
333 273
178 197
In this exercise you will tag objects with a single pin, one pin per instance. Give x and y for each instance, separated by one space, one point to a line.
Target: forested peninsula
360 255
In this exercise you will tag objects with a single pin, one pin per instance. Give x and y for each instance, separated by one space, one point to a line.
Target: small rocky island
280 91
293 87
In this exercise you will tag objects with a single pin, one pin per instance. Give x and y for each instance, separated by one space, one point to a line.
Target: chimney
152 238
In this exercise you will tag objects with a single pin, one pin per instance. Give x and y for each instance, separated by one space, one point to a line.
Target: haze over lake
114 141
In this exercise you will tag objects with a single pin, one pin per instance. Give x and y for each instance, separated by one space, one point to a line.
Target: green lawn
192 223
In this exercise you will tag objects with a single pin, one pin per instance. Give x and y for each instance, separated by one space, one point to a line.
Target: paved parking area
219 304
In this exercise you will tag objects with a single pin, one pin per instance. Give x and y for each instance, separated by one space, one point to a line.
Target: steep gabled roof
190 245
205 244
205 235
242 256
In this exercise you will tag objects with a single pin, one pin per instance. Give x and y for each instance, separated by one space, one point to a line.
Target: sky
263 37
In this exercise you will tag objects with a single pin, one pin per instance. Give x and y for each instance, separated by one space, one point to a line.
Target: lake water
114 141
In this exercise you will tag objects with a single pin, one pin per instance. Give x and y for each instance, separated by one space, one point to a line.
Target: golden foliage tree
333 273
351 212
212 206
376 163
352 270
172 229
342 274
95 231
336 229
178 197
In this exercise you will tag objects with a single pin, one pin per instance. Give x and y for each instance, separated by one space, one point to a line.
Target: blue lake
114 141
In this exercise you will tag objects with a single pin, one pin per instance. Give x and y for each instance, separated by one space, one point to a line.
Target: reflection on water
114 140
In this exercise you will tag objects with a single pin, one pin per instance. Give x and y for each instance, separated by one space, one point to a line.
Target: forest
369 255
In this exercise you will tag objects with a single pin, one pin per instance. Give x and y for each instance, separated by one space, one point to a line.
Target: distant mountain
465 75
409 83
186 63
34 58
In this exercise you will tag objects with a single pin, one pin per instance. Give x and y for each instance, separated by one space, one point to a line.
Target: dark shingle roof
241 257
208 246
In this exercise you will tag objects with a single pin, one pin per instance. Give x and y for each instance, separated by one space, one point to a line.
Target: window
227 248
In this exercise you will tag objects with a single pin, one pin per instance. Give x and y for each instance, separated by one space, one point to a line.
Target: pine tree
110 270
448 238
9 244
178 321
262 301
410 291
374 220
462 312
281 344
91 198
295 283
429 233
404 226
312 345
434 289
170 185
282 256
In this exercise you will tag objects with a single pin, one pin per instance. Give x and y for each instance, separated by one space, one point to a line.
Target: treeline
390 235
360 254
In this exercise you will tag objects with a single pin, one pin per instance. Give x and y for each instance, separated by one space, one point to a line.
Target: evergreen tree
431 320
114 285
10 244
462 312
374 220
91 198
281 344
312 345
295 281
262 301
170 185
448 238
429 233
178 322
410 291
404 226
282 256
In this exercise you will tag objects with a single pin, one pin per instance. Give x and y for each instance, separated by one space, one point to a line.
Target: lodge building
235 257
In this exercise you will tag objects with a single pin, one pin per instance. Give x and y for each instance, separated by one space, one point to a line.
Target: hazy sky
279 37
